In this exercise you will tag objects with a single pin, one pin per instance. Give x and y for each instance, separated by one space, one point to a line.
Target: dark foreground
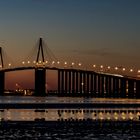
70 130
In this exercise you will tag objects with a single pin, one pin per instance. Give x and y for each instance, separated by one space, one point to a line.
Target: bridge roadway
71 69
66 103
73 81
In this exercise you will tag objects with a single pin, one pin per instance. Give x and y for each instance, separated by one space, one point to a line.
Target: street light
53 62
108 67
116 68
123 69
65 63
79 64
101 66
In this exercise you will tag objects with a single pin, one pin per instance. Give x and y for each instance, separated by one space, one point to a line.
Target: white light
138 71
46 62
23 62
28 62
101 66
79 64
116 68
9 64
123 69
131 70
94 66
58 62
53 62
108 67
40 61
65 63
0 66
34 62
72 63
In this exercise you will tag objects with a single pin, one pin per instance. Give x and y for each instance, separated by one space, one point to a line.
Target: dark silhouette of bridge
77 82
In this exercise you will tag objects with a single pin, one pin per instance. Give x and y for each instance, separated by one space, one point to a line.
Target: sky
88 31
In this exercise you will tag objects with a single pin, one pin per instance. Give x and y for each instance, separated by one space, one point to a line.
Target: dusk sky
90 31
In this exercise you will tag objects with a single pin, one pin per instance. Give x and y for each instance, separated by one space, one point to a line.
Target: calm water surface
72 132
111 131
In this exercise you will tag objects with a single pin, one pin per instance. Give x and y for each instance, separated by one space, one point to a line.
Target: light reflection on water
72 131
31 99
95 114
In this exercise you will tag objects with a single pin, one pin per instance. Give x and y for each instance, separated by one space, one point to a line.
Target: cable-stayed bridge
73 79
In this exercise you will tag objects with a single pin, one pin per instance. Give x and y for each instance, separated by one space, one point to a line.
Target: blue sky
90 31
95 30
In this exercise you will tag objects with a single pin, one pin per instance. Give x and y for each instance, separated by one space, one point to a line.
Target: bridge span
77 82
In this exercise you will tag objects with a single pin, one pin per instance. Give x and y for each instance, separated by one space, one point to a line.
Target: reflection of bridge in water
77 82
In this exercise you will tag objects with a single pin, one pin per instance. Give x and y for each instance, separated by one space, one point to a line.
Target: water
71 132
31 99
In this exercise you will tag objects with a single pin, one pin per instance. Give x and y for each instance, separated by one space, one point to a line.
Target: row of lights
9 65
46 62
79 64
115 68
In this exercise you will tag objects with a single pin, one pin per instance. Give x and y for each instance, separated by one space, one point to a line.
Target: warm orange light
101 66
108 67
72 63
53 62
94 66
116 68
138 71
123 69
79 64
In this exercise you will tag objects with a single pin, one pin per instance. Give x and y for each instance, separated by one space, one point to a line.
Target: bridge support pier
2 82
137 88
40 82
123 88
131 88
69 81
95 85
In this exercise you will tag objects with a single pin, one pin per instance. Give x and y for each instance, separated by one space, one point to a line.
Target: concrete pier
2 82
40 82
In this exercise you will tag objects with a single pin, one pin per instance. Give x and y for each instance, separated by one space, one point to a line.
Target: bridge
76 81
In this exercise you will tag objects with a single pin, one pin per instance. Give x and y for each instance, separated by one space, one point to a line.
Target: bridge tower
40 73
2 74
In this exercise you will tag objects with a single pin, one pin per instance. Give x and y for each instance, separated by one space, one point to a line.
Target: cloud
96 52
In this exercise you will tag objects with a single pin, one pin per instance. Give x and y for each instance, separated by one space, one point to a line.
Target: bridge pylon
1 57
40 73
2 74
40 50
